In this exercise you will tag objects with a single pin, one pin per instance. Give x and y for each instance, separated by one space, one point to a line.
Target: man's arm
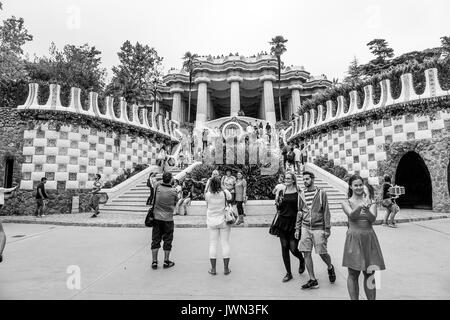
301 206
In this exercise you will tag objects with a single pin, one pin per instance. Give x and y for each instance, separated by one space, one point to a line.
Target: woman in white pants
218 229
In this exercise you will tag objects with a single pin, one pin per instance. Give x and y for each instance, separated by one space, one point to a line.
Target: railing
140 117
323 117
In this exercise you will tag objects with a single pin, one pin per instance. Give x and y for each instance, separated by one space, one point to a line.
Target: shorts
313 237
162 230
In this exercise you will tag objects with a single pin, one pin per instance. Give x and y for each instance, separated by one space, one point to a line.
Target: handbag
386 203
230 215
150 218
273 229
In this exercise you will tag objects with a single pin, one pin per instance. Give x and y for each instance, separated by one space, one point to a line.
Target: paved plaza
115 264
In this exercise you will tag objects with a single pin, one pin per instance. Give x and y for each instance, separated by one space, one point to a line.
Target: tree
354 71
380 48
445 45
277 49
132 78
13 74
188 66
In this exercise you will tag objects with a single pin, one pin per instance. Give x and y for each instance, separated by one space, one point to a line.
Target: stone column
295 94
235 104
176 104
269 104
202 100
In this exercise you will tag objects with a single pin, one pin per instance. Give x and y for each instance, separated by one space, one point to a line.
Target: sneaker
94 216
1 258
311 284
392 225
332 274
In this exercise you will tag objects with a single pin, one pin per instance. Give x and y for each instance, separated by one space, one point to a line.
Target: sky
323 35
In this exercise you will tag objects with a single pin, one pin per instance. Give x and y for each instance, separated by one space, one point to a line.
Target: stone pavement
114 263
198 220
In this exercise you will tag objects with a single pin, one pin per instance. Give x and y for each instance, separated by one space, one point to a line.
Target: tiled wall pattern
71 157
358 149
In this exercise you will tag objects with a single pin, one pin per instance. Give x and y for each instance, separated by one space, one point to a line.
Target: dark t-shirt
386 194
42 188
187 187
289 206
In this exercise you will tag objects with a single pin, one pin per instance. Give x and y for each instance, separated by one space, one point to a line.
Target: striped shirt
309 197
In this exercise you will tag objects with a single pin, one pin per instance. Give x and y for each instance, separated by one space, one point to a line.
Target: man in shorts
313 218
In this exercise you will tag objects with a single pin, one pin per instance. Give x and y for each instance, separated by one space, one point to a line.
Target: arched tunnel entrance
412 173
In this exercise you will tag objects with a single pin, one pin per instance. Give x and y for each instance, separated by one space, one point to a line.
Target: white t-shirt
215 203
298 154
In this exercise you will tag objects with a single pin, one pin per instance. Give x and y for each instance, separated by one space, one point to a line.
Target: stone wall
11 143
60 202
436 154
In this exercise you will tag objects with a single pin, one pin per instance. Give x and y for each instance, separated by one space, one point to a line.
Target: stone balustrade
322 116
165 128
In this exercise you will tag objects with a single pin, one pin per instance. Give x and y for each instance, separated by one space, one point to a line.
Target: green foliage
354 72
258 187
133 78
127 173
328 165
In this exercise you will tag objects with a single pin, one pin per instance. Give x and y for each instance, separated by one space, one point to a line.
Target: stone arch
413 174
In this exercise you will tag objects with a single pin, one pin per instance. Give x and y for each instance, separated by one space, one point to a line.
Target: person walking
95 197
179 189
187 194
290 158
284 153
205 139
389 204
362 251
241 196
269 131
298 156
163 227
2 232
41 198
284 227
219 230
314 225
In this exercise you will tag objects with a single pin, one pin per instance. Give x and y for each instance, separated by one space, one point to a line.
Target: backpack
291 156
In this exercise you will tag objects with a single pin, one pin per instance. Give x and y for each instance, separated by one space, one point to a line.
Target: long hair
294 179
350 182
215 185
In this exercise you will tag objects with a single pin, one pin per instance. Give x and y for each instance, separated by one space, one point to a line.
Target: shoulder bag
150 218
230 216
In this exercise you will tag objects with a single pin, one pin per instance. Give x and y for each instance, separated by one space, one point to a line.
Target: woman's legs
225 241
352 284
371 293
240 209
293 247
213 242
386 216
395 209
285 253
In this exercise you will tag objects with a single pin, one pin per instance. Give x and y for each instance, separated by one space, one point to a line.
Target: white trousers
222 234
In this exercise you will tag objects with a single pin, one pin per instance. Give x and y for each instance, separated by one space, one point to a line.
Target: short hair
98 176
215 185
387 178
43 179
310 174
167 177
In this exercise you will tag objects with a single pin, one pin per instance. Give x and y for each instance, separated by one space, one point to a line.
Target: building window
63 135
75 129
61 185
388 139
355 144
341 147
398 128
411 136
51 143
371 157
369 127
72 176
348 138
92 146
101 140
335 141
92 162
62 151
348 152
39 150
362 150
370 142
108 163
387 122
84 153
83 169
101 155
26 176
378 132
362 135
355 159
74 144
51 159
40 134
73 160
38 167
84 138
28 159
109 148
62 168
409 118
28 143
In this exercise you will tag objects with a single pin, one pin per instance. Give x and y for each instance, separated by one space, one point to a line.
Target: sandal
155 265
211 272
168 264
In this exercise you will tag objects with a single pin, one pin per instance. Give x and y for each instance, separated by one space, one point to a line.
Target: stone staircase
133 200
335 196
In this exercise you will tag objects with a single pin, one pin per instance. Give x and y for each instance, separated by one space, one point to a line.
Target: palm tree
277 49
188 65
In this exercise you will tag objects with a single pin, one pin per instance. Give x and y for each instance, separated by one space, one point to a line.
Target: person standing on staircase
187 193
314 225
241 196
298 156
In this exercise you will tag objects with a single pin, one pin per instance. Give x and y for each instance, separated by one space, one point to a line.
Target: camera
397 190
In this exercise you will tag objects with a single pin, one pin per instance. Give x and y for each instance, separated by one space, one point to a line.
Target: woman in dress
228 183
284 227
241 195
362 251
219 230
162 155
151 186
